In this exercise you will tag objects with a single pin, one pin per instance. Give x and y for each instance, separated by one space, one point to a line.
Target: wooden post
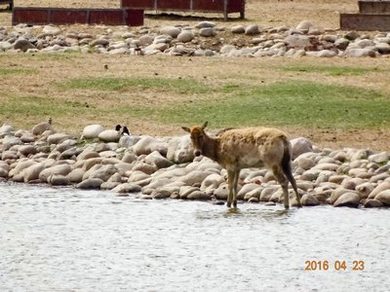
225 12
242 12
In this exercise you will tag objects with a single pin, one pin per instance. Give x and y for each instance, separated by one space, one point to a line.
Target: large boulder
180 149
300 145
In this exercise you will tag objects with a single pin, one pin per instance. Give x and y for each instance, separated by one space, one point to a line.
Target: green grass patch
40 107
181 86
330 70
298 103
16 71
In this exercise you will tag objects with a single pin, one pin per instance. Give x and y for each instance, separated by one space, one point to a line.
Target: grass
298 103
16 71
330 70
291 103
179 85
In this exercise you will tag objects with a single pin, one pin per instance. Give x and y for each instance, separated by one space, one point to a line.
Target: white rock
92 131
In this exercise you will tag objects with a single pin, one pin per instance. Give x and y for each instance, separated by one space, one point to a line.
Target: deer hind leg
283 181
230 187
235 183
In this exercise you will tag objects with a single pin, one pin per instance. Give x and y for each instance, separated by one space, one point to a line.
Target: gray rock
309 200
90 183
58 138
59 180
383 48
372 203
341 43
170 30
76 175
157 159
351 35
300 145
60 169
23 45
205 24
252 29
185 36
384 197
356 53
40 128
207 32
297 41
180 149
109 136
238 29
127 188
304 25
348 199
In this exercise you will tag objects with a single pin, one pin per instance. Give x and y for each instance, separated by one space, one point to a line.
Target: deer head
198 136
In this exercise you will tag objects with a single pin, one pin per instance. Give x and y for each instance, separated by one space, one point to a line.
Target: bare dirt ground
266 13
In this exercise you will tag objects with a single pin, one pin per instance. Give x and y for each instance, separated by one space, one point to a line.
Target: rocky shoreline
164 167
203 39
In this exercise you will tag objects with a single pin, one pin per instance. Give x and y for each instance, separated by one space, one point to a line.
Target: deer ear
186 129
205 125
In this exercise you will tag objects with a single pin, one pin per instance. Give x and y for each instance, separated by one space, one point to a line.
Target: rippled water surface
72 240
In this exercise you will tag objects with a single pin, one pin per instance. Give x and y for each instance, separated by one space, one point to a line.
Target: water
72 240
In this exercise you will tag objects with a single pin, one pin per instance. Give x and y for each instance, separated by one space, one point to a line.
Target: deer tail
286 166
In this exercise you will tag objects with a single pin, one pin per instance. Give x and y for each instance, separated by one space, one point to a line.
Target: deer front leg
235 183
230 187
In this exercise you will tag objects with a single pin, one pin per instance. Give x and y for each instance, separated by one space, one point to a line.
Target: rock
372 203
356 53
104 172
336 194
145 167
252 29
304 26
127 188
90 183
379 188
383 48
309 200
51 30
246 189
27 150
57 138
185 36
76 175
171 31
109 136
157 159
380 158
205 24
384 197
194 177
180 149
59 180
238 29
207 32
32 173
147 145
299 146
341 43
145 40
100 42
60 169
92 131
348 199
351 35
297 41
40 128
23 45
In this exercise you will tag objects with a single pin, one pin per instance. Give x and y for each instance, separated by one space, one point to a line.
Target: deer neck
209 148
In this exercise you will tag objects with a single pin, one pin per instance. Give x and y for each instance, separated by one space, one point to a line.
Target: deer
254 147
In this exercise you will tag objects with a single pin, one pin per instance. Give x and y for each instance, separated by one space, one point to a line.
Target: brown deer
235 149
